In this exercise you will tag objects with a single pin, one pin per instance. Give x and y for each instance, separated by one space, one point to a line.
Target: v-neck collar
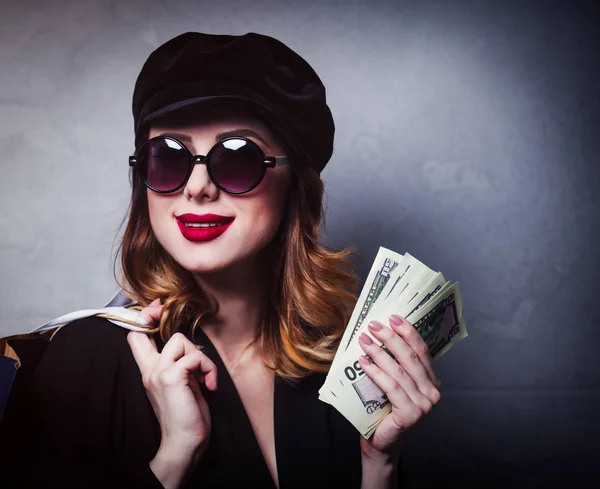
300 428
231 424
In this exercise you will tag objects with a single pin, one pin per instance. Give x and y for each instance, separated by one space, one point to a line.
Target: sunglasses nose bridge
198 159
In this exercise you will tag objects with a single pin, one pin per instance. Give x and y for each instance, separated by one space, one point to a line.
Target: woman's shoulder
85 372
85 350
96 326
83 401
93 336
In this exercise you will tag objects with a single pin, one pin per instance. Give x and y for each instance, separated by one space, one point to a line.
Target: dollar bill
383 270
391 275
400 273
423 297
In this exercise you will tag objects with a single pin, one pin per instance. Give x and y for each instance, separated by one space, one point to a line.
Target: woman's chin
210 263
213 257
205 266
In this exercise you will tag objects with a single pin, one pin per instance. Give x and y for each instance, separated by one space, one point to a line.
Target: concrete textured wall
467 134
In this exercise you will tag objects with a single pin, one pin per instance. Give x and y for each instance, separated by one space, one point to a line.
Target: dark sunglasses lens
236 165
165 164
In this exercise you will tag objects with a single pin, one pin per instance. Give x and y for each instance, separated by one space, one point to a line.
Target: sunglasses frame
193 160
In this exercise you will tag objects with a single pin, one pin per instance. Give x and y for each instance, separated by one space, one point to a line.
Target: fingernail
375 326
396 320
438 383
365 339
365 360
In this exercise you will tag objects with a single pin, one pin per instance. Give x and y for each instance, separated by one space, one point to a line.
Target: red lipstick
204 227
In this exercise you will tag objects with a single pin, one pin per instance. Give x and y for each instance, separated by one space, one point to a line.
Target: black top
83 420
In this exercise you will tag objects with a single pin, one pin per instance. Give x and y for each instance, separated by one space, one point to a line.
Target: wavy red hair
312 288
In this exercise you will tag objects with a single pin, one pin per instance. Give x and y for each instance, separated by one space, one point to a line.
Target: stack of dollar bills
399 285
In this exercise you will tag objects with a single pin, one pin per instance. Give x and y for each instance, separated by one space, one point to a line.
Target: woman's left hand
409 382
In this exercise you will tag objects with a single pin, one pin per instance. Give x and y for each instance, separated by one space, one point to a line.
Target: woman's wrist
379 471
173 464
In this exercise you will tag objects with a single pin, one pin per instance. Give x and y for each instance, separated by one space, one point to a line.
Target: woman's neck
241 292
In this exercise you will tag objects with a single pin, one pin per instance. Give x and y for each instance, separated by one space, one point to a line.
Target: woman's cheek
163 223
262 224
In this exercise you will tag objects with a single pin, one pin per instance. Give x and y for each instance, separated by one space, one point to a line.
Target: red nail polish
365 339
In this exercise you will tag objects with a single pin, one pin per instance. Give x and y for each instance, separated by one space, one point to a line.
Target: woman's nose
200 185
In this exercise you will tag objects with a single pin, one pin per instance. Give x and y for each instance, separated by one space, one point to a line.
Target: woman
222 250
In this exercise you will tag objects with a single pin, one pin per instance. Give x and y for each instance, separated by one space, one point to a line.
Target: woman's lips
204 218
219 225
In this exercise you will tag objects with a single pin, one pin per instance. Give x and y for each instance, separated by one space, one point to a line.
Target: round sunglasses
235 164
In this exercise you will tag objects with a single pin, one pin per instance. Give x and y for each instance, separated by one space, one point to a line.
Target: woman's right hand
172 381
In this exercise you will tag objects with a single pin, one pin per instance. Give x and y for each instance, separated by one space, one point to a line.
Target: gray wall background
467 134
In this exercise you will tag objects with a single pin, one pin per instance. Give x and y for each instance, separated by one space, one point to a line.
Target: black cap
253 71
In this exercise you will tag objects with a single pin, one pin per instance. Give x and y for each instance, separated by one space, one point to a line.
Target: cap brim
263 112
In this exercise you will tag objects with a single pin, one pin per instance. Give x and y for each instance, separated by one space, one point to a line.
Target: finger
144 350
177 347
410 360
410 334
152 312
153 341
402 352
201 367
409 412
395 370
